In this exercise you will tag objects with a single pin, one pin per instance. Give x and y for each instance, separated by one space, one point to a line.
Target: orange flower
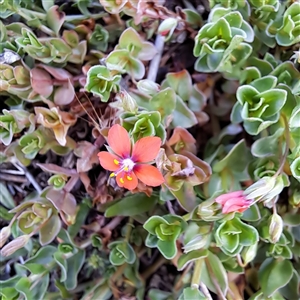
129 165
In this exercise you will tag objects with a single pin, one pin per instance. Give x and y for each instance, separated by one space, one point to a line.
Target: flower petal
236 204
107 161
119 141
146 149
149 175
222 199
123 181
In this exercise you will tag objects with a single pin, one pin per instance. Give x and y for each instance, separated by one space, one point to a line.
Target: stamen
125 169
116 162
122 180
112 175
129 178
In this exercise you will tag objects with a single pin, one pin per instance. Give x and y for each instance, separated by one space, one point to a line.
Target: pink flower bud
233 202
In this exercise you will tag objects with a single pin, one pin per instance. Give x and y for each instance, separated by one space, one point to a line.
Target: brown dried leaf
63 201
55 169
101 190
87 184
88 156
58 121
143 188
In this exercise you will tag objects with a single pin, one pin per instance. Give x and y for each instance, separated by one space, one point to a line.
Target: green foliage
259 104
163 233
220 44
199 186
232 235
143 124
102 82
99 38
121 252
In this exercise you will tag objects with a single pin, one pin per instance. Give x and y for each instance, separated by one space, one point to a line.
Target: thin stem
287 146
71 183
119 272
197 273
186 217
128 229
72 18
113 223
205 291
12 178
24 12
170 207
29 176
155 62
152 269
214 280
179 283
240 262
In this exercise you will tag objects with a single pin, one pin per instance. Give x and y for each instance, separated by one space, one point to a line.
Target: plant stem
287 146
197 273
29 176
205 291
128 229
154 64
196 278
113 223
152 269
214 280
240 262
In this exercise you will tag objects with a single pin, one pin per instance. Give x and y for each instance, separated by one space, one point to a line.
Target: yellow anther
125 169
116 161
122 180
129 178
112 175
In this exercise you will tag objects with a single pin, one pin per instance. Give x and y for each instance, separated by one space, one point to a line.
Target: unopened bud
198 242
148 87
4 235
127 102
260 188
249 253
209 211
294 200
275 228
15 245
167 27
267 188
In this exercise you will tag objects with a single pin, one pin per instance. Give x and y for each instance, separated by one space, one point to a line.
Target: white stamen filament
126 166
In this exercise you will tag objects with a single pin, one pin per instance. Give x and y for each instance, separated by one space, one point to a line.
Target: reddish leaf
41 82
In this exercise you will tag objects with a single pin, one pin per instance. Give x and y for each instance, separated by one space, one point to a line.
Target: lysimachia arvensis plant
150 149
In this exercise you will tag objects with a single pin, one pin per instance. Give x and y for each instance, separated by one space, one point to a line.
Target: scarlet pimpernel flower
130 163
233 202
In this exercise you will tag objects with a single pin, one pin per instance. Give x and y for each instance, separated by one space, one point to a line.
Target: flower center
127 164
126 167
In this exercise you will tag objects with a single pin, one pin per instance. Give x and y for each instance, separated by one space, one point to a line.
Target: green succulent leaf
274 274
132 205
214 267
191 293
186 258
101 82
121 252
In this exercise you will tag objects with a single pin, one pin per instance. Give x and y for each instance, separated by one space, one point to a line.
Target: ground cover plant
150 149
